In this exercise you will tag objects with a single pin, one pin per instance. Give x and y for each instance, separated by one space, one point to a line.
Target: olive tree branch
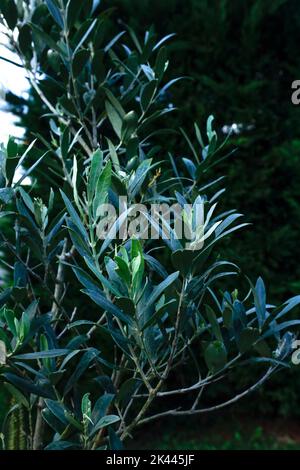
190 412
58 293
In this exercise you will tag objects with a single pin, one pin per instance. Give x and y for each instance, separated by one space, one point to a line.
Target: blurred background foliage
242 57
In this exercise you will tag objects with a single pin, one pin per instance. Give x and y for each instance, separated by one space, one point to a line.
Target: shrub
84 373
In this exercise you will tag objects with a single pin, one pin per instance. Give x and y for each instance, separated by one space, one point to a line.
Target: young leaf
95 171
102 187
74 216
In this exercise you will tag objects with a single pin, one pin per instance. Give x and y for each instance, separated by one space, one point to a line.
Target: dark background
242 56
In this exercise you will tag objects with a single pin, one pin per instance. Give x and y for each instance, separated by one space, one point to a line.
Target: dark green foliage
243 57
86 368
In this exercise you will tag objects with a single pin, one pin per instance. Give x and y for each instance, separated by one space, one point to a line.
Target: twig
191 412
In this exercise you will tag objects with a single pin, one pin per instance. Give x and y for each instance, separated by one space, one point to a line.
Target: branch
58 293
177 412
181 391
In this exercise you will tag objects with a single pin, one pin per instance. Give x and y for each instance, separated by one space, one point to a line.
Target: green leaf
211 316
55 229
44 37
239 318
73 11
9 10
105 282
73 421
129 126
80 244
287 306
104 422
30 170
58 410
106 383
82 366
137 265
102 187
55 12
25 39
260 301
115 442
9 316
114 118
74 216
6 195
43 354
134 39
101 406
79 61
95 171
263 348
113 41
160 310
20 274
67 105
247 338
86 408
163 40
53 422
211 134
31 310
215 356
28 386
115 103
139 176
99 298
147 94
123 270
114 156
161 62
158 290
85 36
27 199
54 60
127 390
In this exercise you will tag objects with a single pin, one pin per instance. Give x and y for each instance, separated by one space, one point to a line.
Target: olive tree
104 296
